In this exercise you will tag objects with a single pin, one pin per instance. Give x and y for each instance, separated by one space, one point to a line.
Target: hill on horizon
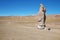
55 18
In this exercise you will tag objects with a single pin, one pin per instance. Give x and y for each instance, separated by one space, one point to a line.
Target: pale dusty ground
28 31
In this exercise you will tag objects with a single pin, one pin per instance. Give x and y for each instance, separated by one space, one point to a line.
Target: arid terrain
25 28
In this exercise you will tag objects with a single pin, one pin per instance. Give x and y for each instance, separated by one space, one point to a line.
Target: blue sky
28 7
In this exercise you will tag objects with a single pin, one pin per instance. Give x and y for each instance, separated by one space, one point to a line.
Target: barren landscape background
25 28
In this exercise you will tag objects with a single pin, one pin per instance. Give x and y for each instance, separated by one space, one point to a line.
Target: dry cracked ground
15 30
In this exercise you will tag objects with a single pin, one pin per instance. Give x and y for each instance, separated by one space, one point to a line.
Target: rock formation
41 17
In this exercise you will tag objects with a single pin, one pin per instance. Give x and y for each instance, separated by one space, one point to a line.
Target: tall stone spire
41 10
41 17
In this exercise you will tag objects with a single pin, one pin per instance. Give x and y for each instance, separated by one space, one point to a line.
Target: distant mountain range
50 18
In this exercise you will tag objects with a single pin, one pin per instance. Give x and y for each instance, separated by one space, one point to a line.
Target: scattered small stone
49 28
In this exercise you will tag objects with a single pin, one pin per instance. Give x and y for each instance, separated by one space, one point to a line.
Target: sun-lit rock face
41 17
42 10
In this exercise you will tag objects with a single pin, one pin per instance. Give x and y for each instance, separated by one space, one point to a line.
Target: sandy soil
28 31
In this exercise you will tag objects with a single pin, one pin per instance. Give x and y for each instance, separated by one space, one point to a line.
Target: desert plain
25 28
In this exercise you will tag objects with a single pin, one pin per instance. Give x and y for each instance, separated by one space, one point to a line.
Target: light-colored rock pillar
41 17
